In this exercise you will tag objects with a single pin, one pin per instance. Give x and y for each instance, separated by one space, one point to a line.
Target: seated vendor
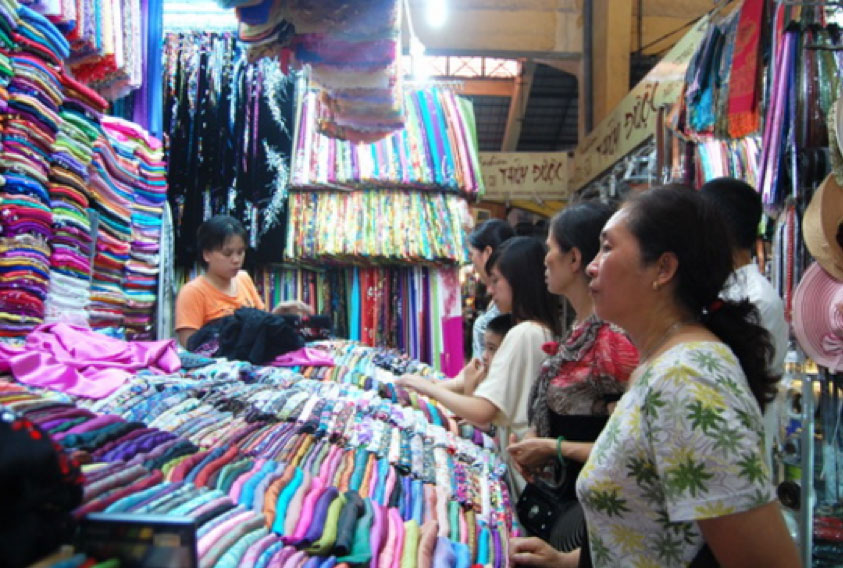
223 288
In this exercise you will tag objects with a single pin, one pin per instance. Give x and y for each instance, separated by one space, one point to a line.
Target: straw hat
818 317
835 139
822 226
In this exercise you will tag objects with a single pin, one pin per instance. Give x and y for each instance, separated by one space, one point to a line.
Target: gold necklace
676 326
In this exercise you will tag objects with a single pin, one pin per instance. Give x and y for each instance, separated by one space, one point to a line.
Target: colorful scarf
744 89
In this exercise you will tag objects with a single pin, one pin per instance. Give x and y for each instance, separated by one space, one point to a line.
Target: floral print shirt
684 444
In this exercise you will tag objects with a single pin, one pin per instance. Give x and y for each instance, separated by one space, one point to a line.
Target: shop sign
635 118
514 175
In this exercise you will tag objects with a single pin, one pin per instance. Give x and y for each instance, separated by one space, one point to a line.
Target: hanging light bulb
417 60
437 13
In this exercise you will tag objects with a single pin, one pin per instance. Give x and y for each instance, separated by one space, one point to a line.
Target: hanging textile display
437 150
730 158
415 309
352 50
229 123
274 465
394 226
805 81
58 167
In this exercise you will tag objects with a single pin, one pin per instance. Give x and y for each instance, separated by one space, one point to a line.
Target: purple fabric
81 362
304 356
89 425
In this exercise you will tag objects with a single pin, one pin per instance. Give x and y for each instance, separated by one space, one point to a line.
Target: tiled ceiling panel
490 113
550 122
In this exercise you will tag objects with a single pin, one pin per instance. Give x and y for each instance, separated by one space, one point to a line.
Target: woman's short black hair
520 260
500 325
579 226
490 233
213 233
678 220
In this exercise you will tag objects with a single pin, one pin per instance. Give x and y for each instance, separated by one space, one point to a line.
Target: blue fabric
284 501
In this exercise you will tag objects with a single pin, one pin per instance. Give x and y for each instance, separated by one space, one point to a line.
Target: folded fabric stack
377 226
70 278
24 271
351 48
112 200
436 150
31 94
62 13
150 192
106 41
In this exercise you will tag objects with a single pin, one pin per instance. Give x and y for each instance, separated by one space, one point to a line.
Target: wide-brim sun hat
818 317
822 226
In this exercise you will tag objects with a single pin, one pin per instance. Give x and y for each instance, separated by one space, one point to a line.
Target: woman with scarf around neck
586 372
677 476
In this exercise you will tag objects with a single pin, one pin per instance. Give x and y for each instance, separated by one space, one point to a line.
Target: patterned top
594 361
684 444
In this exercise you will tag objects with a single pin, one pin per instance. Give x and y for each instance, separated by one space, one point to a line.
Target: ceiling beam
485 87
518 107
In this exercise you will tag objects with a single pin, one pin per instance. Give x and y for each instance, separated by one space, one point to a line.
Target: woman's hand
293 308
413 382
531 453
536 552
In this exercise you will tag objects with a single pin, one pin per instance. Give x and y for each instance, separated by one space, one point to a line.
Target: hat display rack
801 180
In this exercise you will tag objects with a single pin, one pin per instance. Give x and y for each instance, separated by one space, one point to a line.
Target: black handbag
547 512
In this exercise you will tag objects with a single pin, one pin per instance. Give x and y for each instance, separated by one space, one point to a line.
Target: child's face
491 342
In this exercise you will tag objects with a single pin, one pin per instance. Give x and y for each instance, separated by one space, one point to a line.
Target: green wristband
559 455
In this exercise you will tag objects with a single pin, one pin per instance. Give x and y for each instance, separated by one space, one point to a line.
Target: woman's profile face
558 270
500 290
620 283
478 261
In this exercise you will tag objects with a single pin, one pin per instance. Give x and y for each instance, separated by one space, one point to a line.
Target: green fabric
437 320
361 551
454 520
410 556
329 535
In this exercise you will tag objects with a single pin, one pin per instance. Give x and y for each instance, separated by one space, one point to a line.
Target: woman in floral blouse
678 473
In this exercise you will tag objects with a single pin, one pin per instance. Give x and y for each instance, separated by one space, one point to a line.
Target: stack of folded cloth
30 121
150 191
106 40
72 242
112 200
352 50
61 13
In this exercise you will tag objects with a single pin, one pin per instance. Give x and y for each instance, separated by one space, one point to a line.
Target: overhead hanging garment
352 50
437 149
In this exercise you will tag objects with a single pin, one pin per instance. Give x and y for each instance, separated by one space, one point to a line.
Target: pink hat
818 317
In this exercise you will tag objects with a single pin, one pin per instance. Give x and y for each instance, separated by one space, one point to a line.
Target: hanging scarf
746 59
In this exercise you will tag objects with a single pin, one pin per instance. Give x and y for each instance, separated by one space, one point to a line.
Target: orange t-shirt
199 302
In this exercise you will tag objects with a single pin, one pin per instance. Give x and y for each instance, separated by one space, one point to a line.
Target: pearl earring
655 286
